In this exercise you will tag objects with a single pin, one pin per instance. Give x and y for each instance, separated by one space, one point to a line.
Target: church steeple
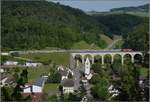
87 66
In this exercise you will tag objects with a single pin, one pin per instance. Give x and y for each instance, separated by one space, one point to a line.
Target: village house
143 82
32 64
64 72
113 91
11 63
4 54
2 70
84 80
35 87
68 85
60 68
6 80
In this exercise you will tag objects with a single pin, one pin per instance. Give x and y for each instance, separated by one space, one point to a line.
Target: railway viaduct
102 54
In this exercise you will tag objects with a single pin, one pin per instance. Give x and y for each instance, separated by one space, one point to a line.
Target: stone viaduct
82 54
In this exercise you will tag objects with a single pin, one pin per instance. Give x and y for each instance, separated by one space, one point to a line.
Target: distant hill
41 24
141 11
142 8
119 24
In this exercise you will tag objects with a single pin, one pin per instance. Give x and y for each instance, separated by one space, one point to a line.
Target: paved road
88 91
77 78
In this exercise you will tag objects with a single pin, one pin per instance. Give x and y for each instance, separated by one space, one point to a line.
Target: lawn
61 58
34 73
50 87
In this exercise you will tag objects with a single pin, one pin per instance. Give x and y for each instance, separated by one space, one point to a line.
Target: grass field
50 87
34 73
61 58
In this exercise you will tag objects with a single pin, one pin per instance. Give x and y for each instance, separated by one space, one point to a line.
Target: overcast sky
100 5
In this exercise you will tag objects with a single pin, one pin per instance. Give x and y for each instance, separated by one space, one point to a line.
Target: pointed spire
87 60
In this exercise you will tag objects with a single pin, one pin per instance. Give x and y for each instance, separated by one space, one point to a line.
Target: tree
97 68
17 69
130 89
138 38
5 94
49 27
119 24
16 76
146 60
61 89
100 90
95 79
73 97
16 95
117 68
24 75
54 77
16 73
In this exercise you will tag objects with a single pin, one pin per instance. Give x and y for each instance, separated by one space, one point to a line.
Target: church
87 71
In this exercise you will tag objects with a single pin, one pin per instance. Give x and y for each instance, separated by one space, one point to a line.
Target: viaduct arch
102 54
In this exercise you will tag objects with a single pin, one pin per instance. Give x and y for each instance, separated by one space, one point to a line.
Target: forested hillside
119 24
138 38
40 24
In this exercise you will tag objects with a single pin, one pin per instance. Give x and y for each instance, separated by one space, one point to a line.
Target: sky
100 5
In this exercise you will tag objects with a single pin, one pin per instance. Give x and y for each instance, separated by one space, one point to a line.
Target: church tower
87 66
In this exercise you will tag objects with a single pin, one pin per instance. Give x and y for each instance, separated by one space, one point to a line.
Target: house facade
35 87
68 85
32 64
11 63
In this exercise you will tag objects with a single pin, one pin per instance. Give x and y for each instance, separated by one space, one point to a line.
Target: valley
52 51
